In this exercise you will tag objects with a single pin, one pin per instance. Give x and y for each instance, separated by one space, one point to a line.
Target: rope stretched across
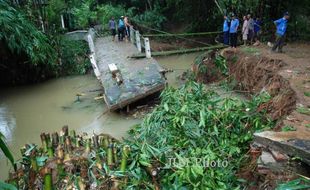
163 32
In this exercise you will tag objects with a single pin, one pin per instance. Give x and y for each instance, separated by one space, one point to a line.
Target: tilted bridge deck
141 77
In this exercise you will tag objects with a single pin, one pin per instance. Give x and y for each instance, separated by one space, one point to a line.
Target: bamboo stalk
106 142
68 144
60 152
115 153
182 34
125 154
44 142
95 141
110 154
174 52
48 181
60 169
73 136
33 161
80 183
78 141
55 140
87 146
98 161
65 130
50 151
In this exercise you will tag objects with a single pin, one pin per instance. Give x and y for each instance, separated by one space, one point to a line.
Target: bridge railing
142 43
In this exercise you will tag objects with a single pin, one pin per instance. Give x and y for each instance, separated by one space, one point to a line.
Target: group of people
251 29
122 27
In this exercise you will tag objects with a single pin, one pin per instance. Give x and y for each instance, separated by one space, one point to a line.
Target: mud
253 74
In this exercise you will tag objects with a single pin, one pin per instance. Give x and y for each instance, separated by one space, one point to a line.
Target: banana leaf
6 151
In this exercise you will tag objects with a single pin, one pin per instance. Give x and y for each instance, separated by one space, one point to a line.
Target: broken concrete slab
294 147
278 156
267 158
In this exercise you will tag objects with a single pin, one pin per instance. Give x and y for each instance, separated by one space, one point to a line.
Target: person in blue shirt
226 30
121 29
234 24
257 28
281 25
112 27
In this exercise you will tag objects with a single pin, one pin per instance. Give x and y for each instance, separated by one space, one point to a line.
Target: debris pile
69 161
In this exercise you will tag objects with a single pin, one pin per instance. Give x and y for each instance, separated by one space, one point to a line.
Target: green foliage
297 184
21 36
6 151
191 122
251 50
288 128
106 12
74 56
6 186
307 94
151 18
221 63
84 15
303 110
54 9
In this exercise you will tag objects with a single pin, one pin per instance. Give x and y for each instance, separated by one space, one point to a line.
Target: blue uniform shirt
281 26
121 23
257 25
225 26
234 26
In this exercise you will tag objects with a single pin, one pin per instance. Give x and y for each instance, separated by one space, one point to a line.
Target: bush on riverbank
175 145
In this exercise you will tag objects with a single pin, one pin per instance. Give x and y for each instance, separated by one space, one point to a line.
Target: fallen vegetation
69 161
193 123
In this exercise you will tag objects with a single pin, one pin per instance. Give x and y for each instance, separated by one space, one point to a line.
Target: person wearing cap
281 25
226 30
234 24
121 29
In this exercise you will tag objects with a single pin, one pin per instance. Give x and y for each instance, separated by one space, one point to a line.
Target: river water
27 111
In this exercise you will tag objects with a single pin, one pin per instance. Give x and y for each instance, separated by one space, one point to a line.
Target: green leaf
7 186
166 107
7 151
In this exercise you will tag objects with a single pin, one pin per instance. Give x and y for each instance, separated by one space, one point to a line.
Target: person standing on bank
257 29
112 27
281 25
226 30
234 24
121 29
251 29
127 28
245 30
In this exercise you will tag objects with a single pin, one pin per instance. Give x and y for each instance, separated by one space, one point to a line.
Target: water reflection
7 123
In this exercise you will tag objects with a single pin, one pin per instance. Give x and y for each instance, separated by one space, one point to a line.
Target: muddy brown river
27 111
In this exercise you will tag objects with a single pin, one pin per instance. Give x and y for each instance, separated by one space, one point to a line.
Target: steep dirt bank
286 77
254 70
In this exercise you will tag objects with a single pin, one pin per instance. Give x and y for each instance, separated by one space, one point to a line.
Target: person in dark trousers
251 29
234 24
257 28
112 27
121 29
281 25
226 30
